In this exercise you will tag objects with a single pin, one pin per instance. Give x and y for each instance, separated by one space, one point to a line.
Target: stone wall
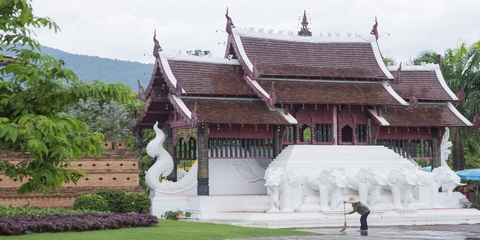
115 169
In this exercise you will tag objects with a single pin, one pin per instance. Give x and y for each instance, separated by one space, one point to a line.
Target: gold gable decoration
186 134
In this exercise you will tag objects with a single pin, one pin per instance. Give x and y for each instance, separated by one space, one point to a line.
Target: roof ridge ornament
304 32
156 46
255 73
230 24
374 29
461 94
194 116
273 98
413 103
398 74
476 122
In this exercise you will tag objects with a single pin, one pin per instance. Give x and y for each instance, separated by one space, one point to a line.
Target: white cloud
123 29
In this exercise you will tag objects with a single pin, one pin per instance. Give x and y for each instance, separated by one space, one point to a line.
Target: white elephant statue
280 182
438 177
401 184
368 181
328 183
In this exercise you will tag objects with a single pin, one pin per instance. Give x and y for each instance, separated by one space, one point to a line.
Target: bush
82 222
91 202
172 215
26 210
138 202
115 200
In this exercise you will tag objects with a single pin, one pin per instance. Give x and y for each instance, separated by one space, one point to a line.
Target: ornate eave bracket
156 45
141 92
230 24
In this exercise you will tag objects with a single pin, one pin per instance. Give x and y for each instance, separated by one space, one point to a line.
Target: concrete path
450 232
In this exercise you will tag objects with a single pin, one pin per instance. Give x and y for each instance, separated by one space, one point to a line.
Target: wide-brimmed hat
352 200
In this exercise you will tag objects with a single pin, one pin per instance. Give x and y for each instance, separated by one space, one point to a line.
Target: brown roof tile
233 111
210 78
424 115
355 60
355 93
427 81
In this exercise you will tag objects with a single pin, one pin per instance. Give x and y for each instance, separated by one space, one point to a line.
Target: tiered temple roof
263 72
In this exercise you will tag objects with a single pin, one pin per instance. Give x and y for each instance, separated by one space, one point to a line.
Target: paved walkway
450 232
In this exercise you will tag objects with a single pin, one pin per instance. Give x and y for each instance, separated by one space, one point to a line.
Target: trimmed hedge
91 202
115 200
138 202
81 222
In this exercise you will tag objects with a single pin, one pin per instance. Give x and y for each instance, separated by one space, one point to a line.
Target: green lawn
168 229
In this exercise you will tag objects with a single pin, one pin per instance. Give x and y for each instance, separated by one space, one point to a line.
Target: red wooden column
335 125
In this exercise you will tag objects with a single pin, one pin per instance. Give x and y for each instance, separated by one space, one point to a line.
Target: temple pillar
171 150
202 156
335 125
276 141
369 131
436 157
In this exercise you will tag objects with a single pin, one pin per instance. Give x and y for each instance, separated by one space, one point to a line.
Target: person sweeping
361 209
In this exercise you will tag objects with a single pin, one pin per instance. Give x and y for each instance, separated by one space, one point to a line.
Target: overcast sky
123 29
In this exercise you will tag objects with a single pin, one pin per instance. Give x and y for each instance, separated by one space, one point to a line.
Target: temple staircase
305 158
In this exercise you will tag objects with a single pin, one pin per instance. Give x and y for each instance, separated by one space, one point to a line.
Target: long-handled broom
344 219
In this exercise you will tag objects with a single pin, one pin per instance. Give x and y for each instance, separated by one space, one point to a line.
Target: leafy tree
34 89
460 66
110 118
388 61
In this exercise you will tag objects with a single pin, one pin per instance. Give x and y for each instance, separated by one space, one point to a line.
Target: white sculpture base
238 197
161 204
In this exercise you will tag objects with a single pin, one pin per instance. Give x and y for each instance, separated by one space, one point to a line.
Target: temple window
347 133
306 134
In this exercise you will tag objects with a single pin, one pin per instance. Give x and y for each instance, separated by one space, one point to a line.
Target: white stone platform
249 206
318 219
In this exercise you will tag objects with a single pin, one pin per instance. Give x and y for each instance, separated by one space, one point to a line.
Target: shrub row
82 222
27 210
115 201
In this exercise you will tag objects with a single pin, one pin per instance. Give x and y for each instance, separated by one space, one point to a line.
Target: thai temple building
288 125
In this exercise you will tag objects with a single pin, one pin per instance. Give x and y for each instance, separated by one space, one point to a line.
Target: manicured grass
168 229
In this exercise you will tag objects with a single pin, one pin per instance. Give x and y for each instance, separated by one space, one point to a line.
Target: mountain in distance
107 70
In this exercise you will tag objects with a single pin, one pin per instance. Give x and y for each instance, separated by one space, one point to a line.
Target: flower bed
81 222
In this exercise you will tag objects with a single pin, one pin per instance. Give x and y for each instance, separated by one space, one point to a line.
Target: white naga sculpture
280 182
328 183
366 182
445 147
164 166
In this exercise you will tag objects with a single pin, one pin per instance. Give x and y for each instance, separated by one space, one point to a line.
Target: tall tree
110 118
34 89
460 68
